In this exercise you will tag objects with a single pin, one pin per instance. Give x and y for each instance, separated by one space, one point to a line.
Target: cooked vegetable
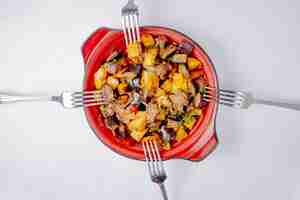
134 108
152 92
189 121
160 92
107 93
179 58
193 63
149 82
196 112
148 40
152 111
122 88
138 126
198 100
172 124
100 77
162 70
123 99
185 47
167 85
135 83
135 52
179 82
183 70
196 74
161 41
165 135
107 110
150 55
111 123
179 100
113 82
164 53
200 84
164 102
191 88
137 69
181 134
112 68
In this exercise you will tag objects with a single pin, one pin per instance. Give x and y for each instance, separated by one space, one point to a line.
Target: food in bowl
153 91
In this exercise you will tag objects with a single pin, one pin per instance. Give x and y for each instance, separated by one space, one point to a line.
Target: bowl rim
210 121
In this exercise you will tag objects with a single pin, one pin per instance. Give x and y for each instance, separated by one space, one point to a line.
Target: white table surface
47 152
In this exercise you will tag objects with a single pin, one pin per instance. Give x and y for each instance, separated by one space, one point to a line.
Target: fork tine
89 96
151 164
236 94
86 93
147 159
87 101
218 97
162 169
137 27
128 29
229 98
219 101
155 157
124 30
77 105
132 28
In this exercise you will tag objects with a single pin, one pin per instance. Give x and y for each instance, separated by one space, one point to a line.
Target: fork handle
10 98
278 104
163 191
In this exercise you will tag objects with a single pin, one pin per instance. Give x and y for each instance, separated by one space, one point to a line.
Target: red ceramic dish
201 140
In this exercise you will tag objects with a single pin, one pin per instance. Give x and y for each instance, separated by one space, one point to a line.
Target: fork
242 100
66 99
130 22
155 165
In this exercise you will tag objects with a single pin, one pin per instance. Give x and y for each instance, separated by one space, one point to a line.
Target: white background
47 152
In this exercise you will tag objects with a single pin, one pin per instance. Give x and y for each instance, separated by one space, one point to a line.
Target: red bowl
202 139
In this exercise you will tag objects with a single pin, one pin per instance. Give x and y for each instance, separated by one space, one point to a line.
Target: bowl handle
203 147
90 44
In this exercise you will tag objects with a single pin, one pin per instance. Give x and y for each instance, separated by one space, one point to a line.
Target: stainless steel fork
155 165
130 22
66 99
241 100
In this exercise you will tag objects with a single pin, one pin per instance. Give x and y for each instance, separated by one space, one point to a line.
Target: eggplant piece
165 135
112 68
107 110
164 53
162 71
179 58
172 124
137 69
185 48
198 100
200 84
161 41
111 123
121 131
178 117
